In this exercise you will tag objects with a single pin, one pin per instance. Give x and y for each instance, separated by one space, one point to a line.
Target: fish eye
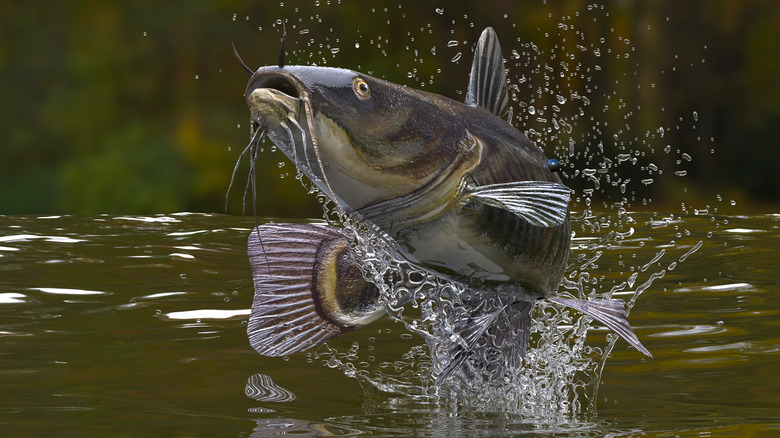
360 87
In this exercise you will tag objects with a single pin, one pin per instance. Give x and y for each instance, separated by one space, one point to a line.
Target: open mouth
280 108
277 82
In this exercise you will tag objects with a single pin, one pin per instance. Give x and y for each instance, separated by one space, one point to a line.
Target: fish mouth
273 96
281 108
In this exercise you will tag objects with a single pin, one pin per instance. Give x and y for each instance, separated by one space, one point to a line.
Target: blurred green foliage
137 107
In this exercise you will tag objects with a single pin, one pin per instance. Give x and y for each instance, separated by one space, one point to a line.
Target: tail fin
296 304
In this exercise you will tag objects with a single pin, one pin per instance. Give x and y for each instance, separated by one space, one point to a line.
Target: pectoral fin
540 203
609 312
297 290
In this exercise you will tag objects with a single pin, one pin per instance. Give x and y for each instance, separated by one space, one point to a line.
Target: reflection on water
104 330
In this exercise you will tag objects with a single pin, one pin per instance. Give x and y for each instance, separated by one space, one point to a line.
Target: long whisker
292 143
284 39
258 134
238 162
241 61
307 107
251 179
303 139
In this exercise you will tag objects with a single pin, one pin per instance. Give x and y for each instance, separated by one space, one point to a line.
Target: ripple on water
12 297
68 291
261 387
749 347
207 314
689 331
731 287
46 238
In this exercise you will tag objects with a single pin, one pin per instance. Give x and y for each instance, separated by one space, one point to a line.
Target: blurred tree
115 107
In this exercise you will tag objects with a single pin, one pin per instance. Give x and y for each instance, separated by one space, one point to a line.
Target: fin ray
506 329
610 312
540 203
284 318
487 82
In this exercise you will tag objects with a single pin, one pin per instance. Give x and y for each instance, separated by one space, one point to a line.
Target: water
135 326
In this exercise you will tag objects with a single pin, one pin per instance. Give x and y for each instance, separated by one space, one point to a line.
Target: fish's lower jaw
270 107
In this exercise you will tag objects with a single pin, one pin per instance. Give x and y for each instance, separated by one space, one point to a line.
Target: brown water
135 326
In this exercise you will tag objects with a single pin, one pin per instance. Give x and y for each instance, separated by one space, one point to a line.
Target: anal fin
505 330
611 313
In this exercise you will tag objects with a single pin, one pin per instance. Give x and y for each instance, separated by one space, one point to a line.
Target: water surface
135 326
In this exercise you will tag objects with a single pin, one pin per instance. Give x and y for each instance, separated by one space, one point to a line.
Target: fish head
360 139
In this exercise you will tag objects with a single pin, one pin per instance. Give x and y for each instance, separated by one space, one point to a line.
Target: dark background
137 107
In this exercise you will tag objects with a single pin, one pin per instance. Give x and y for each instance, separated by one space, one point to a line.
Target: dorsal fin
487 83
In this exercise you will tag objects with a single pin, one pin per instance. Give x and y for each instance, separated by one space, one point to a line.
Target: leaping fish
458 189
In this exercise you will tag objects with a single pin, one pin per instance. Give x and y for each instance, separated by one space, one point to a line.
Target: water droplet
456 58
561 99
452 43
681 172
144 33
357 45
196 76
686 157
695 116
440 11
334 50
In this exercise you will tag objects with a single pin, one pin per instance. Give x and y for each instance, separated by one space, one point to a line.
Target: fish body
405 159
460 191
